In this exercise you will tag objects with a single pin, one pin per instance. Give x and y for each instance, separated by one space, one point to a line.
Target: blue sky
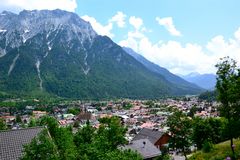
198 21
181 35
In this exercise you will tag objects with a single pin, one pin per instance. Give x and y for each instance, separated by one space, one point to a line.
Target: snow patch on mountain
3 30
13 64
2 52
87 68
38 63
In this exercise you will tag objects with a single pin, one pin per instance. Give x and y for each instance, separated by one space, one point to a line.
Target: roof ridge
12 130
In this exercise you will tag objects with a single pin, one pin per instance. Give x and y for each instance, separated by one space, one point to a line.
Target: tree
18 119
210 129
123 155
110 134
218 127
65 144
3 125
180 129
201 132
87 144
83 140
84 135
51 124
228 87
32 122
127 106
193 110
74 111
41 147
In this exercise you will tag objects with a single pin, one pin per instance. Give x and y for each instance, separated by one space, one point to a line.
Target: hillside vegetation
218 152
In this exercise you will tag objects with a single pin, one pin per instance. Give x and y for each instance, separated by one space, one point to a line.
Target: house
12 141
158 138
38 114
8 119
145 148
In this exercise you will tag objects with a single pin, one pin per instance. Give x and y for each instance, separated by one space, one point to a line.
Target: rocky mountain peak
16 29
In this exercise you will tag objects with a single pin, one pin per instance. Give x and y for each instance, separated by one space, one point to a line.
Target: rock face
59 53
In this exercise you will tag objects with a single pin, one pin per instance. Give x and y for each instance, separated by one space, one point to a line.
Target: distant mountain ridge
206 81
160 70
59 53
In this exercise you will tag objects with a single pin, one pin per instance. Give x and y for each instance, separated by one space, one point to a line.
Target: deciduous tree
228 87
180 129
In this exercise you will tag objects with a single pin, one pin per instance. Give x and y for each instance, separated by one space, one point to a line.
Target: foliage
164 157
149 103
218 152
32 122
41 148
51 124
208 96
122 155
228 89
65 144
111 132
84 135
180 127
207 146
87 144
18 119
127 105
193 110
210 129
3 125
74 111
62 71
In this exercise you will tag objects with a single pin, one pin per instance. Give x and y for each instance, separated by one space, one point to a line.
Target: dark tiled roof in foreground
144 147
12 141
150 134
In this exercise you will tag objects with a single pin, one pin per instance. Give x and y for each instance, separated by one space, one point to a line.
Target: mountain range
206 81
57 52
174 79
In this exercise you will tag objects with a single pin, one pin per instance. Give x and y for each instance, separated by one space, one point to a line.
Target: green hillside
219 152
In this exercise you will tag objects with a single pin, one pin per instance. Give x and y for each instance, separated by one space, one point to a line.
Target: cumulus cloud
106 30
167 22
99 28
18 5
136 22
119 18
173 55
237 34
219 47
185 58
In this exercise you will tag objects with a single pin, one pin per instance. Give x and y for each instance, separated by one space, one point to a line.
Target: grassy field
219 152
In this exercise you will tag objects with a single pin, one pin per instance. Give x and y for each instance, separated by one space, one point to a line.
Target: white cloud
176 57
167 22
119 18
136 22
185 58
99 28
220 47
173 55
237 34
18 5
106 30
129 42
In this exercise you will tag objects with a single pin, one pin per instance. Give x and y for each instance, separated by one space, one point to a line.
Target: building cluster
145 120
